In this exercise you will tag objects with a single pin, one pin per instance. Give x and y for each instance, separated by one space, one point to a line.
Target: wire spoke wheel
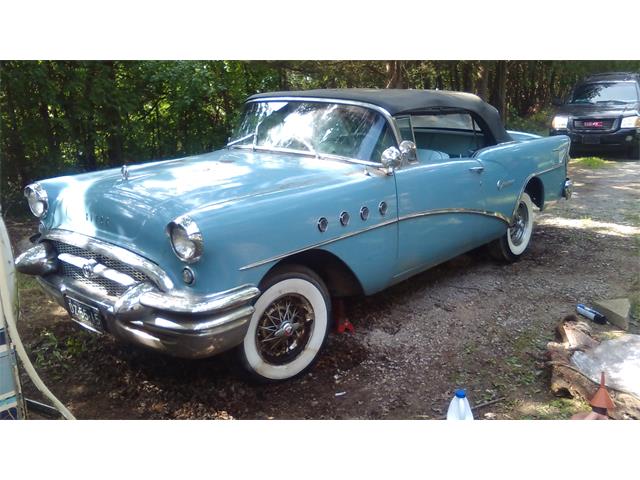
521 220
284 329
289 325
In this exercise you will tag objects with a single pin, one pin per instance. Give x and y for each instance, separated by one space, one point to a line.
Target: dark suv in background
602 112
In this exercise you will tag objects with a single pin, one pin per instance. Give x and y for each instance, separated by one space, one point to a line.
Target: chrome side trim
317 245
194 303
153 271
445 211
425 213
502 184
370 106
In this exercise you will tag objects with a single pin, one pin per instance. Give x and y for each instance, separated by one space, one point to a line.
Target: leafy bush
537 123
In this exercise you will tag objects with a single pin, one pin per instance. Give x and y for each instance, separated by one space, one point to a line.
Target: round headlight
37 199
186 239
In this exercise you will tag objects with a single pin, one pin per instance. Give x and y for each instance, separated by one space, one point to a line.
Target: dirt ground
470 323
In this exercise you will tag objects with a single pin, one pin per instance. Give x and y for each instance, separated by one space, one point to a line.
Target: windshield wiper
242 139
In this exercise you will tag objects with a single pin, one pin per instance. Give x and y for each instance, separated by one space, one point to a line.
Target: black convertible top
397 102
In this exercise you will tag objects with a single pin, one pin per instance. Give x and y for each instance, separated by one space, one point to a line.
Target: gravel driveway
470 323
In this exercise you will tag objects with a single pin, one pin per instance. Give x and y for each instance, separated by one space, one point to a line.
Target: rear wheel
512 245
289 326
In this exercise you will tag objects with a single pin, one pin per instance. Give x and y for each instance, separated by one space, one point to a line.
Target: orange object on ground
602 400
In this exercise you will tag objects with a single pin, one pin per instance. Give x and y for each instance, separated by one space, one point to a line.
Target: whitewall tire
289 326
513 244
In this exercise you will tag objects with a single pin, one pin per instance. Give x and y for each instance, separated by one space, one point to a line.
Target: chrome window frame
385 114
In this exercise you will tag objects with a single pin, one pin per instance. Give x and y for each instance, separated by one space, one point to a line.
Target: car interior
443 136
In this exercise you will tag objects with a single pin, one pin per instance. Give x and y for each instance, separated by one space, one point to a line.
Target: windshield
321 129
605 92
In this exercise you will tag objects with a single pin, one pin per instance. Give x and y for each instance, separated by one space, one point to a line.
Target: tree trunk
395 74
500 89
467 76
482 82
114 121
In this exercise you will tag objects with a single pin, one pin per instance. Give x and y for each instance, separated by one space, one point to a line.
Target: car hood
103 204
600 110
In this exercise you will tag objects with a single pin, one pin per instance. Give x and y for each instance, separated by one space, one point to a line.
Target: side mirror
391 158
408 151
556 101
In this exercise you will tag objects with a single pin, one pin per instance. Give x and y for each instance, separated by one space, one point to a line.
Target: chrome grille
593 124
106 286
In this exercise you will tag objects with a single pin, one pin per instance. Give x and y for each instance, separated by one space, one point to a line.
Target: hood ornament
124 171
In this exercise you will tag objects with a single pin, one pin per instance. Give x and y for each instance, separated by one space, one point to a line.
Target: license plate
85 315
591 139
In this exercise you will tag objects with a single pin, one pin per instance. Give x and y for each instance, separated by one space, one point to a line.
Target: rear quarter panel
510 166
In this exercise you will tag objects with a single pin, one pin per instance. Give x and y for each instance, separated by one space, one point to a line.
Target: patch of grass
633 218
50 351
593 163
557 409
634 299
26 282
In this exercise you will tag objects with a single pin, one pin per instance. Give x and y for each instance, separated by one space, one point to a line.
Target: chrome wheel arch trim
526 182
79 240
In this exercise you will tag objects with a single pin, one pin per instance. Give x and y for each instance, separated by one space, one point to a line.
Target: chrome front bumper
176 323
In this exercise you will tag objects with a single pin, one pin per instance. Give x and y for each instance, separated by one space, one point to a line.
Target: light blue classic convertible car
320 194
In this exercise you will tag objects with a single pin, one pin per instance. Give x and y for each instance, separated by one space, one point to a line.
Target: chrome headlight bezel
184 230
632 121
560 122
37 196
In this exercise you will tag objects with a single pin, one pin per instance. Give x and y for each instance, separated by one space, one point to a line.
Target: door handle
478 169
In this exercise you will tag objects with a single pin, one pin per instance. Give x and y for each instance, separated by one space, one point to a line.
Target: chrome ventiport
323 223
382 208
364 213
344 219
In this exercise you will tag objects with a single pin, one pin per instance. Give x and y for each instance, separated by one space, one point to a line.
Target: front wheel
289 326
512 245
